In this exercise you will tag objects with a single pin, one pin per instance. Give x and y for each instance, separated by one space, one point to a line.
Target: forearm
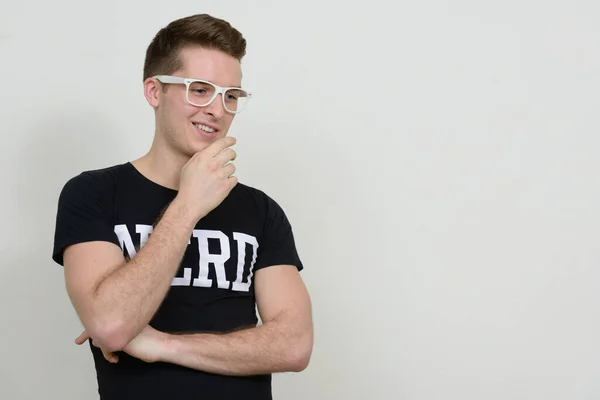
277 346
130 296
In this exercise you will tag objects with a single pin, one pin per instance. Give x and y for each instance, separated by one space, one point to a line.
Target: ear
151 91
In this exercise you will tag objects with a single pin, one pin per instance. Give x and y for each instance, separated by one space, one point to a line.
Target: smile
204 127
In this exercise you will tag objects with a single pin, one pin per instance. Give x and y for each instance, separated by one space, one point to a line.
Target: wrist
168 347
182 212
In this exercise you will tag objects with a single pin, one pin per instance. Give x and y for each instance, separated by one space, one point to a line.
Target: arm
115 299
282 344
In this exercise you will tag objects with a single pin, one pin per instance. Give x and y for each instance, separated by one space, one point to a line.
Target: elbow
299 355
109 335
300 363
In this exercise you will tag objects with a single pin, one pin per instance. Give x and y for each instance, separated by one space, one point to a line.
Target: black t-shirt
212 291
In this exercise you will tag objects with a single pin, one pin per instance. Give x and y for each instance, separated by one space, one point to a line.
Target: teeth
204 128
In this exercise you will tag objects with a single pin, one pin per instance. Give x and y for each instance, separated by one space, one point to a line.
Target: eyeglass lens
200 93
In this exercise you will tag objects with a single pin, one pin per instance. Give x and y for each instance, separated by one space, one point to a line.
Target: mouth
206 130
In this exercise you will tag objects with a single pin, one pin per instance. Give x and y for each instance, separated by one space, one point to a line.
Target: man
166 257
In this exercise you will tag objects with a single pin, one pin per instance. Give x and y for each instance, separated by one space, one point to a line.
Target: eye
233 94
201 89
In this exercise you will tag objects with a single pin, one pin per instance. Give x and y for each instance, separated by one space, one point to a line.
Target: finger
233 180
228 170
218 146
226 155
82 338
111 357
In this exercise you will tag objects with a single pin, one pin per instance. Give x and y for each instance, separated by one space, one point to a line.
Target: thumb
111 357
82 338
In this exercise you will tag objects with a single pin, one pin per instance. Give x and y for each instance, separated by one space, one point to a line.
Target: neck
161 165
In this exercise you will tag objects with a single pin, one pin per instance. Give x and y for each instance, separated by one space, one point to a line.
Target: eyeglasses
202 93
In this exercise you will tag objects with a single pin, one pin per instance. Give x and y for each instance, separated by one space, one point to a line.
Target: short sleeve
277 245
84 214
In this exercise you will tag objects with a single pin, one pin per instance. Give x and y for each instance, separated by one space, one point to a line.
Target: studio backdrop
438 161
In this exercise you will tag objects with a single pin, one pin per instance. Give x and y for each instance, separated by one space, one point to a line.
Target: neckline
148 180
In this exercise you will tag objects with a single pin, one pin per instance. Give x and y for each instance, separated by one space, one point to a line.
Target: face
186 128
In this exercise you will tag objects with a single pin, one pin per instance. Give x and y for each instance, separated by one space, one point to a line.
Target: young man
166 257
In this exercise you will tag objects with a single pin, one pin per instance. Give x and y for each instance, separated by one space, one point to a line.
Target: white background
437 159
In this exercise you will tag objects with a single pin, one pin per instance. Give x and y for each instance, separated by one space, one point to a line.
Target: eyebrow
208 80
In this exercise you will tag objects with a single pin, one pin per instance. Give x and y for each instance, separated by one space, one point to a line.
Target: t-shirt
213 290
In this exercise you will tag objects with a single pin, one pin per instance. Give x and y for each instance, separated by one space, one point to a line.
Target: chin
199 140
194 148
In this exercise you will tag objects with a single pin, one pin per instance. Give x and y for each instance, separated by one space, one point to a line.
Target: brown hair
162 55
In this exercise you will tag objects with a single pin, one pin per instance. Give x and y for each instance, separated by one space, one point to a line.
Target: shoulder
85 210
258 198
277 242
267 209
94 182
98 176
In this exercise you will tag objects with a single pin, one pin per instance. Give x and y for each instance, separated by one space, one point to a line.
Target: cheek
179 118
226 122
174 125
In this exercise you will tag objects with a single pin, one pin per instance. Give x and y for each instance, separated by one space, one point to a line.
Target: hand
147 346
207 178
110 357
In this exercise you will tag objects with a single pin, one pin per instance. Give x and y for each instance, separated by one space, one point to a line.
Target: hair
162 55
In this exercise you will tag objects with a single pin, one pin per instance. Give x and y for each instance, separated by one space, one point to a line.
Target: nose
216 109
